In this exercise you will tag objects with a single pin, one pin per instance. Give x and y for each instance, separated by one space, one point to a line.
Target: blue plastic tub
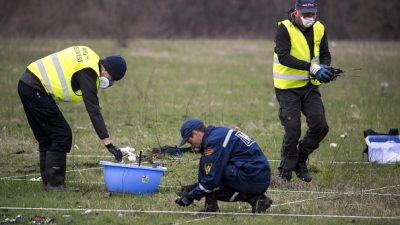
383 148
133 179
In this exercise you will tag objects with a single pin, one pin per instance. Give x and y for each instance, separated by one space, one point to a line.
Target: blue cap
306 6
115 66
188 127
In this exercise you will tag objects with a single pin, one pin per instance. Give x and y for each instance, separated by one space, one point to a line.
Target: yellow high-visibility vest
286 77
56 70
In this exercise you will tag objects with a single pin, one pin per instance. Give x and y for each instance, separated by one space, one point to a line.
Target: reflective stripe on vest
56 70
301 76
45 77
286 77
290 76
61 76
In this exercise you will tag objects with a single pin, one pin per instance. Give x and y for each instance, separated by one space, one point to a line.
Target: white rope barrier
199 213
38 174
381 188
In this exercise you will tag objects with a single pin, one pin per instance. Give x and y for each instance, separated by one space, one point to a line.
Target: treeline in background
123 19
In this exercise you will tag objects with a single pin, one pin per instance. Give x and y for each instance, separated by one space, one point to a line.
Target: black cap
115 66
306 6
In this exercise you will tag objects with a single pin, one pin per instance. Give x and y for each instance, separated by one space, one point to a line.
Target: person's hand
314 68
184 199
324 74
116 152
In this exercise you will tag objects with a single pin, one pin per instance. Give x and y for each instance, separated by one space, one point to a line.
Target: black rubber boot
286 175
211 203
42 165
301 168
302 172
55 172
259 203
282 180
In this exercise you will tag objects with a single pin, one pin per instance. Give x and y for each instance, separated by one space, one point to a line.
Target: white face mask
105 83
307 22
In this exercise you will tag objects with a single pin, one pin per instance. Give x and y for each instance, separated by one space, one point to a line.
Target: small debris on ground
87 212
11 220
41 220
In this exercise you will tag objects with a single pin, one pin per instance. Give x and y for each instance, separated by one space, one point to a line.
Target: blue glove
324 74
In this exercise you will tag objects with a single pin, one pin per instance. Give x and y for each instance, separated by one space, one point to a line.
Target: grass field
223 82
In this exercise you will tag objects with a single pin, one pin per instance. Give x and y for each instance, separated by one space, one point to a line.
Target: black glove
116 152
184 199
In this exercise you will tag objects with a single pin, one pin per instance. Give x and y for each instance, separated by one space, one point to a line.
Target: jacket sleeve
211 167
282 49
325 55
87 83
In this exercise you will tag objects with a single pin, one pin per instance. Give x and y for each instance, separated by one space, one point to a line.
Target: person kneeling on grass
232 168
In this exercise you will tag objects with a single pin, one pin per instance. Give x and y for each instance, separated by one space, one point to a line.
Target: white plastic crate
383 148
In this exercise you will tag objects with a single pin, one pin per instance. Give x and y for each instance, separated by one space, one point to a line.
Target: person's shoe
279 182
282 180
260 203
302 172
285 175
209 209
211 204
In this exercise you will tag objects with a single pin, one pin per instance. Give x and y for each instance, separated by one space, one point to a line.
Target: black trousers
48 124
293 102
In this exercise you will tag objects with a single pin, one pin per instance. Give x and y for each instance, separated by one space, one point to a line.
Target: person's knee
322 129
325 130
64 143
318 125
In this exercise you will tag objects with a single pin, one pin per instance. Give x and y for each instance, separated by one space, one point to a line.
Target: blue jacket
230 158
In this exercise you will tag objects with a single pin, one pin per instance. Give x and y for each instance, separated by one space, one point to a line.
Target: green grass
223 82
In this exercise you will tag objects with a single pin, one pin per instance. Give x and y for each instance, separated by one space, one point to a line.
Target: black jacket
84 80
283 45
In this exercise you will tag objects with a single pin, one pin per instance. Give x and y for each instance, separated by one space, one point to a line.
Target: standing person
72 75
301 64
232 168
